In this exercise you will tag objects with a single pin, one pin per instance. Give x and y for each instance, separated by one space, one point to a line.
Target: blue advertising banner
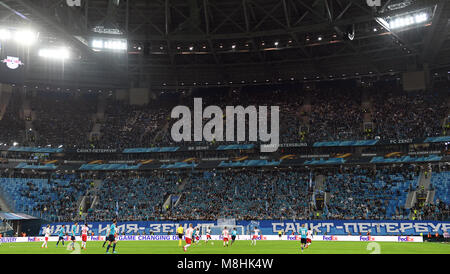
271 227
346 143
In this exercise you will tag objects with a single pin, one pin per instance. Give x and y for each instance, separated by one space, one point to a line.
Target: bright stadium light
97 44
408 20
25 37
109 44
115 44
420 18
57 53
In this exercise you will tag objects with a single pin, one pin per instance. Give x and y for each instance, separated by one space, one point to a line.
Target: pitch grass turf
240 247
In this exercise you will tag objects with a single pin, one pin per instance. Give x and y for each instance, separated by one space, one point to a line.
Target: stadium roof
176 43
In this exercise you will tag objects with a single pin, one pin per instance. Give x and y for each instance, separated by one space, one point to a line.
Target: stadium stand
63 118
330 115
51 198
409 115
325 114
133 198
246 195
368 194
12 124
354 193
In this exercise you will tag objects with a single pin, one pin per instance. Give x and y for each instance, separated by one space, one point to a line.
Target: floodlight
408 20
110 44
25 37
58 53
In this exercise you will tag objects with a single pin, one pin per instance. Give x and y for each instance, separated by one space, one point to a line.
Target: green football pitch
239 247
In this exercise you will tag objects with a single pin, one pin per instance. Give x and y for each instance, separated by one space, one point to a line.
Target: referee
180 234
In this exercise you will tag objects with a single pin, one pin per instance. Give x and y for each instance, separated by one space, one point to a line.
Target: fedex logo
33 239
405 239
330 238
261 238
97 238
366 238
293 238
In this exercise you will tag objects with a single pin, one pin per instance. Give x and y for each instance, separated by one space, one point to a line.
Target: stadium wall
271 227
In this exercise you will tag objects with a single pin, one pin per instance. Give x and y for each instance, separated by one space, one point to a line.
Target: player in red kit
308 238
255 236
188 237
84 233
226 236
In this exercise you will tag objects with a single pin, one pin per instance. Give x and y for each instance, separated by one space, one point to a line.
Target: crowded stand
358 193
225 127
12 123
133 197
54 198
410 114
350 193
63 118
127 125
246 195
335 115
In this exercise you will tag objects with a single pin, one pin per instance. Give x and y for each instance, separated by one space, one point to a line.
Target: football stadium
224 127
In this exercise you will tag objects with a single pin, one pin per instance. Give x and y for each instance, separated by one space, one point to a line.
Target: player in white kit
188 237
226 236
255 236
84 234
308 238
47 234
208 234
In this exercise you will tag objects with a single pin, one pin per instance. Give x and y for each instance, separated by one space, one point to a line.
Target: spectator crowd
350 193
325 114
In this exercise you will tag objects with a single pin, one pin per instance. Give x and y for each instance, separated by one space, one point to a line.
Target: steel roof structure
182 43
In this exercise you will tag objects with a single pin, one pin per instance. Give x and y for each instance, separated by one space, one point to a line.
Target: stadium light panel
109 44
25 37
97 44
408 20
115 45
59 54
